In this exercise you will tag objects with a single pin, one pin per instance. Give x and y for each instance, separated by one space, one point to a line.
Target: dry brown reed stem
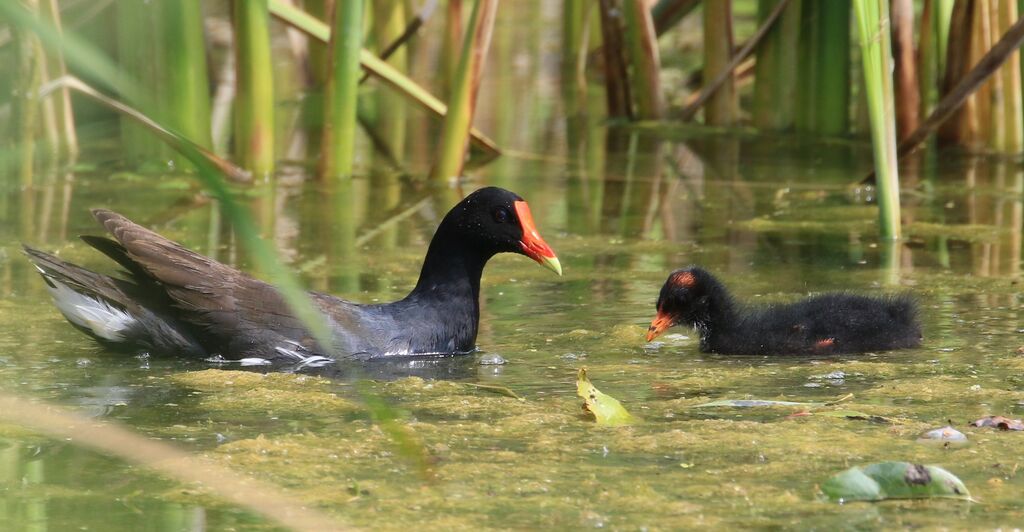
908 96
951 102
615 74
1014 111
721 107
958 50
690 110
644 59
254 495
176 141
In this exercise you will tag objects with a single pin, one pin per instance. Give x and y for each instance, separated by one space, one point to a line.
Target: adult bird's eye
502 215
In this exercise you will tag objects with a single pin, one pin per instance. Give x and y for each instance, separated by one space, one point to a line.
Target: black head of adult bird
830 323
175 301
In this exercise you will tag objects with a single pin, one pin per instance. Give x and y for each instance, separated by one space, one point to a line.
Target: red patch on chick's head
683 279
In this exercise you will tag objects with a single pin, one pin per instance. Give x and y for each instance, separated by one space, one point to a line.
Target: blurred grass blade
406 440
254 87
337 150
254 495
462 104
378 68
642 46
177 141
876 51
724 75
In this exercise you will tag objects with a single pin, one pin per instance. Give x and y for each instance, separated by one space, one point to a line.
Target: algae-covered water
775 218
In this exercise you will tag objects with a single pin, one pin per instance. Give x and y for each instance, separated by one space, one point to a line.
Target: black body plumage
830 323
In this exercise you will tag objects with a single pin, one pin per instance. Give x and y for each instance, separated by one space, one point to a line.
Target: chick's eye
501 215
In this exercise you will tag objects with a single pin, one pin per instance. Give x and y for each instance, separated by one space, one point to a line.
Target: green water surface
775 218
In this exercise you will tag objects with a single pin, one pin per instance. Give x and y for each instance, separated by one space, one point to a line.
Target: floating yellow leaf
606 409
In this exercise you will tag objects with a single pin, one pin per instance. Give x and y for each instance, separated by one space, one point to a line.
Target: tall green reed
337 155
254 94
775 73
876 54
462 102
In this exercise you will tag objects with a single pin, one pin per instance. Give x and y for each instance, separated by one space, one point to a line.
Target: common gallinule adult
176 301
826 324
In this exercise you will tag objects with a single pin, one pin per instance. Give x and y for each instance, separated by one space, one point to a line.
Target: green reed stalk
927 59
389 25
721 107
25 103
642 51
337 155
254 96
68 137
573 23
186 100
823 93
136 54
775 73
940 25
319 54
450 43
876 50
462 104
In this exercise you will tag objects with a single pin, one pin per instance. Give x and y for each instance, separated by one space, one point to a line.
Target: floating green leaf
606 409
893 480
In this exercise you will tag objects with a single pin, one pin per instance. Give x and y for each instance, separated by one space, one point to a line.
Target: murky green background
776 217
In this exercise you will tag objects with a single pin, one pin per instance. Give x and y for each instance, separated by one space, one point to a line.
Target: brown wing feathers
194 281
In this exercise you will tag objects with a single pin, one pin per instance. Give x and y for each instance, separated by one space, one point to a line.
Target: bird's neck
451 271
720 315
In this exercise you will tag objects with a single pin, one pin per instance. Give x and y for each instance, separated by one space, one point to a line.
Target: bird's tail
91 301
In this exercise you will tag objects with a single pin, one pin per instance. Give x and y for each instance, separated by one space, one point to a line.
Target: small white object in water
946 435
492 359
254 361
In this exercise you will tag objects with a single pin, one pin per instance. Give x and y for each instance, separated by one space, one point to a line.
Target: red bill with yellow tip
533 245
660 324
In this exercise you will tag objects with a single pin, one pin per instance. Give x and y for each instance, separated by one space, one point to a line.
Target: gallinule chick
825 324
175 301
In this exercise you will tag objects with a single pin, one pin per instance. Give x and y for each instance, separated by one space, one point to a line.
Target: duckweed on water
276 393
